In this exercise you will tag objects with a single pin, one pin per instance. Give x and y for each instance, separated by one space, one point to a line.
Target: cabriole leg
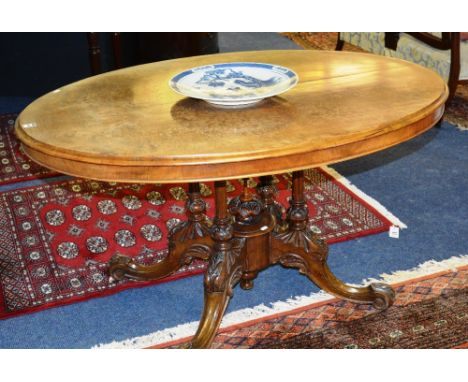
299 248
223 272
188 240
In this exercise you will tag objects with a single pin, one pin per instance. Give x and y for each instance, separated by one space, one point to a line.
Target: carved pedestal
244 238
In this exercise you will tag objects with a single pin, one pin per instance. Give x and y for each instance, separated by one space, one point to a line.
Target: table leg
188 240
241 243
268 192
299 248
223 272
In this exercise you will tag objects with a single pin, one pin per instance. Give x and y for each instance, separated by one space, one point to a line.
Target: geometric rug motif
56 239
428 313
319 41
15 166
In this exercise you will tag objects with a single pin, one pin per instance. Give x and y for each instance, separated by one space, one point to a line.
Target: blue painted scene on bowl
234 84
234 80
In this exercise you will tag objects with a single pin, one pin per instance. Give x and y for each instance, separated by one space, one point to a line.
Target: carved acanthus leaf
304 241
196 251
224 268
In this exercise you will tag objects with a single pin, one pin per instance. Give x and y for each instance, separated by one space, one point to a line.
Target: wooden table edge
174 172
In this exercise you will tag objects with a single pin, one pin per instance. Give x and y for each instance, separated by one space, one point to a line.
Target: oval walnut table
129 126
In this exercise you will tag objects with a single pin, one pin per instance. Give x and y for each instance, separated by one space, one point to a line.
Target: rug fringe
261 311
427 268
371 201
454 122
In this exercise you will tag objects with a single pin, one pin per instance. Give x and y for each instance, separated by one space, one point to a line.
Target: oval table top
129 126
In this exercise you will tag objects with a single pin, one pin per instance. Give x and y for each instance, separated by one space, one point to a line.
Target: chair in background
117 50
444 52
94 48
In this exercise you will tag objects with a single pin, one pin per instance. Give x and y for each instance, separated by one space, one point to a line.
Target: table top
129 126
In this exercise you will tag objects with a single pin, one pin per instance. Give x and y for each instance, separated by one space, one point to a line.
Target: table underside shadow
246 236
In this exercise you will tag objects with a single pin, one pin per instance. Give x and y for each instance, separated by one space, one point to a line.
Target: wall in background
32 64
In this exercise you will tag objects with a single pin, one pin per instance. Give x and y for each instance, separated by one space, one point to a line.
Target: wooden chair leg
339 43
94 52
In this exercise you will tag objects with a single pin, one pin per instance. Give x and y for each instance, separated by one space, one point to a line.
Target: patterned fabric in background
456 112
410 49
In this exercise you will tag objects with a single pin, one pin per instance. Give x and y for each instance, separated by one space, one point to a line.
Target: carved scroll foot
120 265
311 261
380 295
384 295
299 248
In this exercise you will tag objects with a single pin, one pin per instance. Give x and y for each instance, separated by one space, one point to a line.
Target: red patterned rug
56 239
14 165
429 312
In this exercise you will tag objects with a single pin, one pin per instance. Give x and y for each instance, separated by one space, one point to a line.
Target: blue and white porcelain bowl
234 84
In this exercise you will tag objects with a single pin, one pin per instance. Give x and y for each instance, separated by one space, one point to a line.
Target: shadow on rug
456 112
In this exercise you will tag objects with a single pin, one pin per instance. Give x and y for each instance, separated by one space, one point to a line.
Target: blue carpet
424 182
13 104
230 41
